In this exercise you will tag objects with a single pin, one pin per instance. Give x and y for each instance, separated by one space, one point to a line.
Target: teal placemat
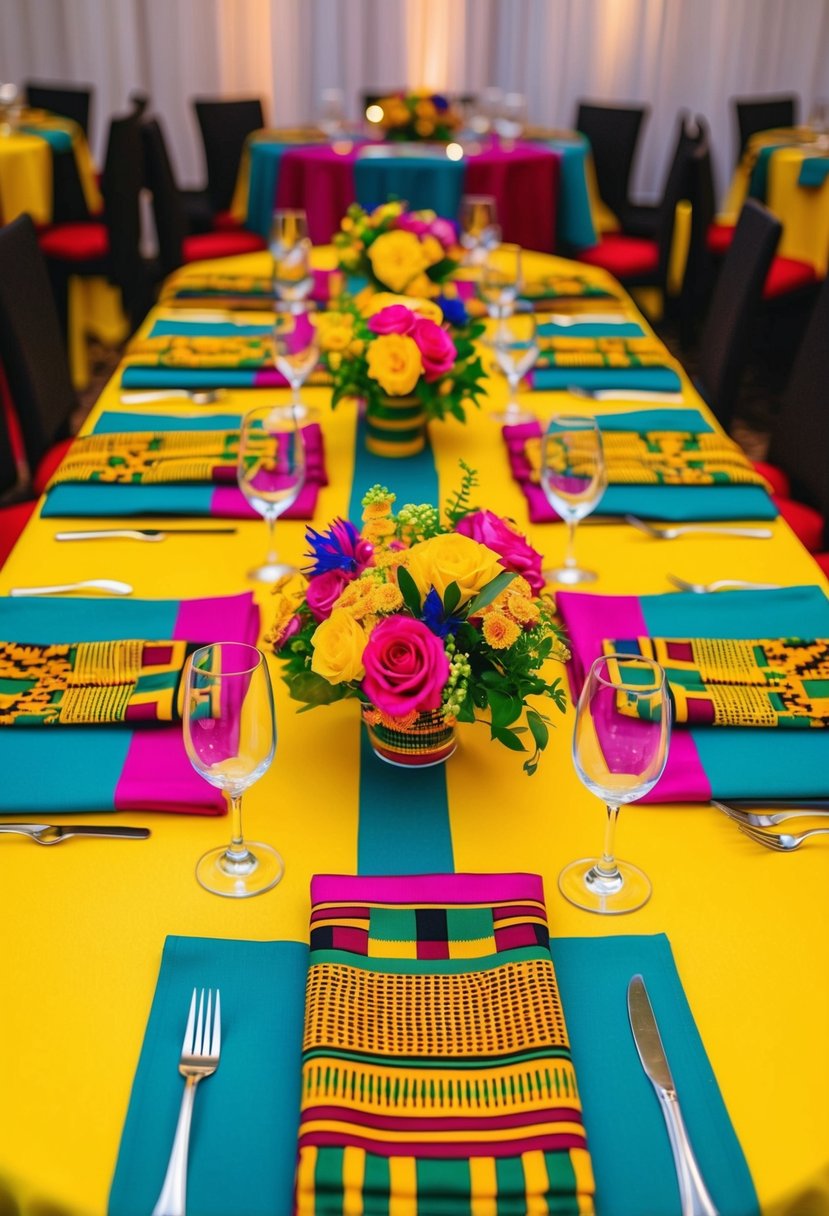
813 172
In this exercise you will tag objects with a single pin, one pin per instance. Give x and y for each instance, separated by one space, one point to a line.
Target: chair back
800 441
69 101
9 476
725 336
31 342
168 208
224 126
763 114
121 183
613 132
698 277
678 187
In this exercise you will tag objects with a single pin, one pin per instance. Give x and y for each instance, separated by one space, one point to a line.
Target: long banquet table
85 924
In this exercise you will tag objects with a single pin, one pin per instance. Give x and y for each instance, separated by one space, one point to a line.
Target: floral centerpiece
399 357
426 622
397 250
420 115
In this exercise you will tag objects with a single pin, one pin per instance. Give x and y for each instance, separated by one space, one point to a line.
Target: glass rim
586 422
240 671
288 211
641 659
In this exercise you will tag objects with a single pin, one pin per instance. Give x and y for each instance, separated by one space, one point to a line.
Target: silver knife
51 833
693 1193
149 534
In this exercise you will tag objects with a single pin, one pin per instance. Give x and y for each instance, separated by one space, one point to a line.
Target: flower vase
419 741
396 426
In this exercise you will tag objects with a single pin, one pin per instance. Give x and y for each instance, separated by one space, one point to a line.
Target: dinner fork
703 529
780 842
109 586
199 1058
757 819
721 584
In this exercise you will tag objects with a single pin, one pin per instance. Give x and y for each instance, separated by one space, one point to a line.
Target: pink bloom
443 231
396 319
406 667
323 590
293 627
512 547
408 222
437 350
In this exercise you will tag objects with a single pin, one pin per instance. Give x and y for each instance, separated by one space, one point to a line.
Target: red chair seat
787 275
13 520
624 256
806 523
220 245
49 464
225 221
76 242
718 239
776 478
822 560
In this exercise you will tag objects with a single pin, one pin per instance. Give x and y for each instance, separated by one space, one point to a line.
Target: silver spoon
696 529
195 396
110 586
721 584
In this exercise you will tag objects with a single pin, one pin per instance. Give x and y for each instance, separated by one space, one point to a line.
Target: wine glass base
302 413
584 886
515 417
570 576
271 572
262 869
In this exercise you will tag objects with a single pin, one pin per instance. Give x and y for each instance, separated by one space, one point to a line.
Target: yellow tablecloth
26 170
84 926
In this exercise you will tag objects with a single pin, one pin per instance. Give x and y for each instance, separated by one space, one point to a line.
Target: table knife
63 830
693 1193
142 533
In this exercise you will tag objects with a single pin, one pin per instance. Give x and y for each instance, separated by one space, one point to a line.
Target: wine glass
271 473
516 349
479 230
620 747
512 119
332 116
501 280
290 249
573 478
296 354
230 736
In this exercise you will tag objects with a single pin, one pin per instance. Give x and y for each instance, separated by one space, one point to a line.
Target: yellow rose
452 559
338 645
396 258
432 249
394 362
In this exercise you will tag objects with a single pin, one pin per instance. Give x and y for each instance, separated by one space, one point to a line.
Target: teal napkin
58 140
245 1119
814 171
635 379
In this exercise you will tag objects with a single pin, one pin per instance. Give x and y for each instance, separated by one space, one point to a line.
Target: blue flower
339 548
454 310
434 616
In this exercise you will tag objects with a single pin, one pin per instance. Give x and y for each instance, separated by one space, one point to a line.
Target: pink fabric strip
228 502
588 620
426 888
548 1143
157 775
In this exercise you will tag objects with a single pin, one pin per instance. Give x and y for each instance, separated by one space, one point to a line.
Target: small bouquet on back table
427 622
419 115
398 250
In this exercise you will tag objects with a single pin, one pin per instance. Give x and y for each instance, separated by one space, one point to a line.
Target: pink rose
406 667
514 550
291 629
323 591
408 222
437 350
443 231
396 319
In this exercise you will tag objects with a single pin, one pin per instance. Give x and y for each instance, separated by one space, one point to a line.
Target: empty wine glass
479 231
512 118
516 349
271 473
620 748
573 478
230 736
332 112
293 280
501 280
296 354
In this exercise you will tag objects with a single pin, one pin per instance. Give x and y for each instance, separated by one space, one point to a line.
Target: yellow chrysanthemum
499 631
522 610
386 598
520 586
377 510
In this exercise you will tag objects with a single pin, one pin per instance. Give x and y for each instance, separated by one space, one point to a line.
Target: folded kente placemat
436 1067
186 288
81 683
659 458
734 681
672 481
705 762
543 291
200 361
164 464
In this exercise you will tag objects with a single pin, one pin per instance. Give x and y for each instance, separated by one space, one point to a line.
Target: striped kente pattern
437 1076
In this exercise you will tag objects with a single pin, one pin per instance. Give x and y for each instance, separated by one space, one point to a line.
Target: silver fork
770 820
199 1058
721 584
779 842
696 529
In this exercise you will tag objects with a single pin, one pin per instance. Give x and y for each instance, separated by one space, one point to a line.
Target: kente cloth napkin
200 362
436 1067
179 466
185 288
81 683
112 768
703 762
657 499
543 292
733 681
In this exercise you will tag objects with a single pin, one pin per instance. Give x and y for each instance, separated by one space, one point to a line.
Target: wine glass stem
570 556
606 866
296 400
271 559
237 849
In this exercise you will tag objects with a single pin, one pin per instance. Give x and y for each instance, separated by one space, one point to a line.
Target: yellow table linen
85 924
25 178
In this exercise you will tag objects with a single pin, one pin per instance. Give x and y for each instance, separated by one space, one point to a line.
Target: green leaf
307 686
451 598
538 728
509 739
505 708
490 592
409 591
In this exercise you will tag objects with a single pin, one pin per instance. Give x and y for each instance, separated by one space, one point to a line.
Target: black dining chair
755 114
642 219
698 278
69 101
613 132
725 338
176 245
224 127
16 503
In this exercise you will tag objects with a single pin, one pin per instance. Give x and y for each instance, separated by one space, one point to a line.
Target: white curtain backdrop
669 54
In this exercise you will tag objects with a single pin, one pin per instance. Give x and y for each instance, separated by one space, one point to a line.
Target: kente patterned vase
396 427
419 741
